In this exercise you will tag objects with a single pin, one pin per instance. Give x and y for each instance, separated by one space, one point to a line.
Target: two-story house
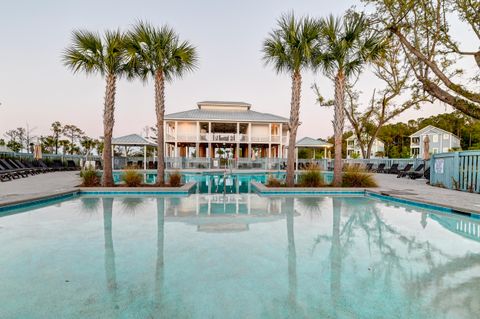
354 150
225 129
440 141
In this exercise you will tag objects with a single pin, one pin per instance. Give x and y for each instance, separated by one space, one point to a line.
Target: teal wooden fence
456 170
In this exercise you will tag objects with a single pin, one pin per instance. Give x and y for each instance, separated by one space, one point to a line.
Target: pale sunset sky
36 89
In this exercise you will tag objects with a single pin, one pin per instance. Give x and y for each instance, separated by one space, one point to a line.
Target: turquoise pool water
219 182
237 256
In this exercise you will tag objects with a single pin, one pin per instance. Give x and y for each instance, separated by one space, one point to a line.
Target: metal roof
431 127
311 142
132 140
224 115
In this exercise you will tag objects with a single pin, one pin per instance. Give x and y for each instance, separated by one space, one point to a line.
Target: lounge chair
380 168
393 169
58 164
38 168
404 171
8 175
43 165
407 173
369 167
415 175
72 166
20 165
6 166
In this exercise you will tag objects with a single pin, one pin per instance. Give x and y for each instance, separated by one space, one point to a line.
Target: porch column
238 141
280 152
145 157
209 138
296 158
113 159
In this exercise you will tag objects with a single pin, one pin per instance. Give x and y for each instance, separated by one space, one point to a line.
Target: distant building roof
311 142
240 111
431 127
132 140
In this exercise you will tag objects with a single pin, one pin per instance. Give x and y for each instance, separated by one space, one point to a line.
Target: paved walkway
418 190
38 186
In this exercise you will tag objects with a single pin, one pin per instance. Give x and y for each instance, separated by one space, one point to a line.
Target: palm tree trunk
293 126
160 111
108 122
338 122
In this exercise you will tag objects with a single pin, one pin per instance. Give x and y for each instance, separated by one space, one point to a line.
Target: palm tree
159 53
347 44
291 49
90 53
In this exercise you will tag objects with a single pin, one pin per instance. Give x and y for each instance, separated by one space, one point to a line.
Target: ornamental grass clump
89 177
311 178
274 182
175 179
355 177
132 178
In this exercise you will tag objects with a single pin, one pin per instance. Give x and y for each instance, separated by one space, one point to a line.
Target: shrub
132 178
356 177
89 178
274 182
175 179
311 178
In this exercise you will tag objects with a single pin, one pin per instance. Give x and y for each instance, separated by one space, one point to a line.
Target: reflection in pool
223 182
238 256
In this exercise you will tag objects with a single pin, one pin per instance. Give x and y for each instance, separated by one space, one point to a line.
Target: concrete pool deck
51 184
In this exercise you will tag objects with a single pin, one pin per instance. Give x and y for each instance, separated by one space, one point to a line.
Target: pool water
220 182
237 256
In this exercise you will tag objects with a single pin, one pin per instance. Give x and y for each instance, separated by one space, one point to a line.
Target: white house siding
440 141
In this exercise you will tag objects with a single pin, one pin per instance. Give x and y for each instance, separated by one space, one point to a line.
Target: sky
36 89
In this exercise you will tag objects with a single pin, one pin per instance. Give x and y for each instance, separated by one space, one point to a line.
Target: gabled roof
132 140
225 115
311 142
431 127
354 137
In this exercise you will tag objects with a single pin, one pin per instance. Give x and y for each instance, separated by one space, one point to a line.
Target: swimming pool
220 182
237 256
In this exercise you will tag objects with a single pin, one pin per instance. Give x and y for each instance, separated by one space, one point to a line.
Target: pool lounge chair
404 171
405 174
393 169
8 167
43 165
369 167
72 166
38 168
380 168
20 165
415 175
8 175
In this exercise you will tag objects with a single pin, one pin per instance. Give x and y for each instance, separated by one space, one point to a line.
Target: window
435 138
446 136
434 150
445 149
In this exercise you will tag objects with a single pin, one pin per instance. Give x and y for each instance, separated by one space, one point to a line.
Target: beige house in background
225 129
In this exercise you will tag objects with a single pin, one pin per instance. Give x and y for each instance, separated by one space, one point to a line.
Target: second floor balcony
224 137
